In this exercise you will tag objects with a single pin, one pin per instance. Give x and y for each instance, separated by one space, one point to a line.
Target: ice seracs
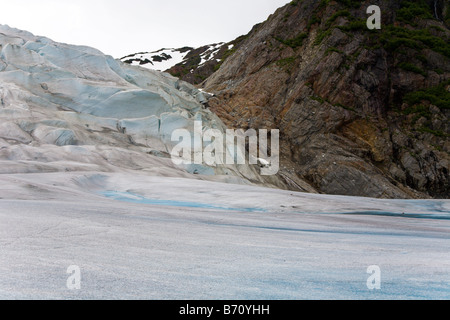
56 96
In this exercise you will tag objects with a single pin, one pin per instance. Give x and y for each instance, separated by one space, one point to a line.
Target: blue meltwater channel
134 198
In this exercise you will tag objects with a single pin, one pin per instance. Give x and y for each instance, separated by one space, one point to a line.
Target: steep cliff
361 112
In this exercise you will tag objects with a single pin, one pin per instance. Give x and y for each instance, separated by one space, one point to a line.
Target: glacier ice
140 237
102 102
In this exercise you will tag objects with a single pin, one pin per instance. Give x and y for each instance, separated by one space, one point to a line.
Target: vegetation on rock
315 71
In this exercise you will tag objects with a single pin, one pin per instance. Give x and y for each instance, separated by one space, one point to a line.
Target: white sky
121 27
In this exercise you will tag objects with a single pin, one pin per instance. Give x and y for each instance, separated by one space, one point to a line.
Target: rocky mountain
361 112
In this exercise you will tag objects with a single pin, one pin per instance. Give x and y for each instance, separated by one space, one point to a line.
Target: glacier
86 179
136 237
77 98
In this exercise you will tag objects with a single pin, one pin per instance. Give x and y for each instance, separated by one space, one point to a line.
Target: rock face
71 108
360 112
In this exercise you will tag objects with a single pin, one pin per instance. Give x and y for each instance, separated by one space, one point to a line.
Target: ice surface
141 237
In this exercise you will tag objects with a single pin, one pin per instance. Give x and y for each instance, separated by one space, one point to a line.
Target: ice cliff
72 108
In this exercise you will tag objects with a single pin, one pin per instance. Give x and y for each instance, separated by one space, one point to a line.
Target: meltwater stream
134 198
413 209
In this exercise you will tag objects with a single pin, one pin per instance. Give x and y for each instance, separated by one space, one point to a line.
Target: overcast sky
121 27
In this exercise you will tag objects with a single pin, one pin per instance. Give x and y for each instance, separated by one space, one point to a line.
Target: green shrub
200 77
286 63
318 99
350 3
340 13
411 10
392 44
418 111
439 96
322 34
344 107
323 4
422 58
193 61
217 66
294 42
393 37
355 25
228 53
437 133
332 49
314 19
447 16
412 68
437 28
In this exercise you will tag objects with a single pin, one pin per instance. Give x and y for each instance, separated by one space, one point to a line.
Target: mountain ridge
189 64
193 65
